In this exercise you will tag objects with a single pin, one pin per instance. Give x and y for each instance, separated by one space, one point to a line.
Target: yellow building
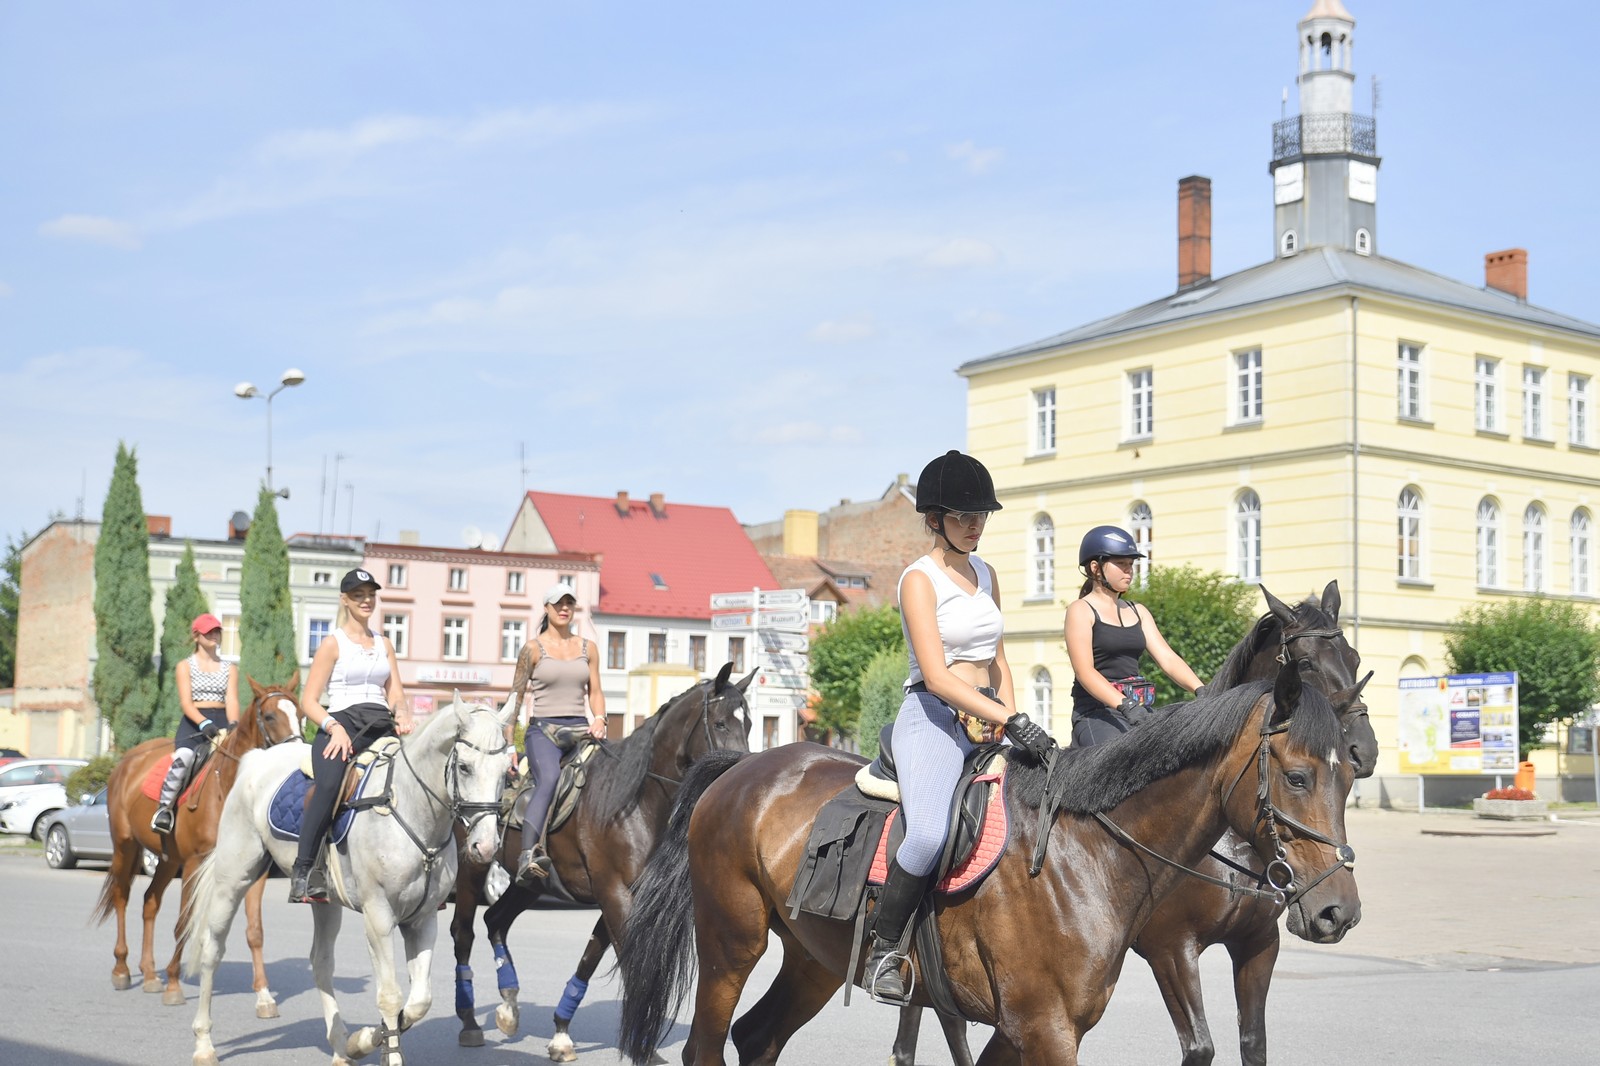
1329 414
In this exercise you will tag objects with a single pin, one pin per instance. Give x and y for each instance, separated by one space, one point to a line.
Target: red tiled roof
696 551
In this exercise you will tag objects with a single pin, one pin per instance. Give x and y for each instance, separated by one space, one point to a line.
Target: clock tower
1325 159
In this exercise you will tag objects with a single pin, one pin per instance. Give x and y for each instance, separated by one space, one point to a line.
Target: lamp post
246 391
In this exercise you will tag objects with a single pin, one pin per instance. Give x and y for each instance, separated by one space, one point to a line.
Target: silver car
84 832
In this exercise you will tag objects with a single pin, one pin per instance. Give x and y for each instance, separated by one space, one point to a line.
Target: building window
658 582
1042 549
736 654
230 637
1288 242
1578 410
396 627
1408 516
322 577
317 631
1247 386
1410 385
458 579
823 612
657 649
1533 408
1044 420
1247 536
516 582
513 635
1533 570
1141 403
1142 525
397 575
1582 548
697 652
1488 543
1043 697
455 639
616 650
1363 242
1486 393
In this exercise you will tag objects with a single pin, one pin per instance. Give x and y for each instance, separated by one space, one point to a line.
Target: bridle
706 698
468 812
261 712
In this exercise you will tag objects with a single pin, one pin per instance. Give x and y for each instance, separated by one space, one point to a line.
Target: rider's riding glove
1024 733
1200 692
1129 710
208 729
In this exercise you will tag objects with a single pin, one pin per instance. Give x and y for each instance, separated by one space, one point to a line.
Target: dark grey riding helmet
955 482
1108 542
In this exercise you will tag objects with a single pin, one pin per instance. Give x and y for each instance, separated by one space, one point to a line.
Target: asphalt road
1471 950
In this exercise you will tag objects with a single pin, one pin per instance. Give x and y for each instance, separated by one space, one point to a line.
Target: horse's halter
706 699
270 699
468 812
1357 708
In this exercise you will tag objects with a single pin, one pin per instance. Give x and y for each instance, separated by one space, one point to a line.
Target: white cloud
96 229
961 252
845 330
977 160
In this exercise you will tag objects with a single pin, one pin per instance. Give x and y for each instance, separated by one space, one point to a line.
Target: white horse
395 867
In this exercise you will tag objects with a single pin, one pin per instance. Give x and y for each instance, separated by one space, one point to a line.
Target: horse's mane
1267 632
1098 778
614 792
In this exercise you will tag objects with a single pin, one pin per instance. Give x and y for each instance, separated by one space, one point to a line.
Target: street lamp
245 391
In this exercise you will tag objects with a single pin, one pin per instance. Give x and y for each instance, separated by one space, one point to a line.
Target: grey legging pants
544 766
929 748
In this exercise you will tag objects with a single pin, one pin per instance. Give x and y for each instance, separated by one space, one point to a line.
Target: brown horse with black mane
1111 852
273 717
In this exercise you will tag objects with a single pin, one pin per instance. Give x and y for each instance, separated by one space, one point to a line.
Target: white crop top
360 675
969 622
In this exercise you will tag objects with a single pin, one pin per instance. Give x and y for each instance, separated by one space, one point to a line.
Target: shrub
1509 793
882 690
87 780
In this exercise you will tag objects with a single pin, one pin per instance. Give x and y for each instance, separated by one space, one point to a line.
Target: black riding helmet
955 482
1107 542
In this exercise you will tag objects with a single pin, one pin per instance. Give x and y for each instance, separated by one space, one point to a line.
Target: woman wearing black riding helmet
1106 635
959 693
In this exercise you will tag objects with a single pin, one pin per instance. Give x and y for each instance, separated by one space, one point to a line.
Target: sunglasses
968 518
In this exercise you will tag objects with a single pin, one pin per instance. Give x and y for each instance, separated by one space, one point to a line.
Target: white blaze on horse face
1333 757
291 712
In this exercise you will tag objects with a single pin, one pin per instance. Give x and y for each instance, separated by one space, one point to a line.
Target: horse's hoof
561 1049
151 984
269 1009
506 1018
470 1038
172 997
121 982
207 1058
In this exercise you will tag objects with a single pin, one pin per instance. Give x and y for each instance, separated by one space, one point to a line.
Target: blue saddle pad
287 810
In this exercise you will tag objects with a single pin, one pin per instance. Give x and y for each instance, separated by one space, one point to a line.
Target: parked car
30 789
10 755
84 832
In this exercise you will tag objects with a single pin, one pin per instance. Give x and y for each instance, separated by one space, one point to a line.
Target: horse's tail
202 891
104 908
656 955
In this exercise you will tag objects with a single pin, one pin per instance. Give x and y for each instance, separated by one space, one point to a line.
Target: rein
459 808
705 729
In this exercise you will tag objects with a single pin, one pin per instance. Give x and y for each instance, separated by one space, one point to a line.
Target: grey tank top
559 685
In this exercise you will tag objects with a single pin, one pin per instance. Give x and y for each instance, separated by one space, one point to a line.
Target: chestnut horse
600 850
273 717
1198 914
1105 844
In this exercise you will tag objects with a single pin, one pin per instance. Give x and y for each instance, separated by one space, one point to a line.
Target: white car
32 789
84 832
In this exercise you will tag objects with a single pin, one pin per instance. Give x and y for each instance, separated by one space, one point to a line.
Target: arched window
1044 697
1141 524
1288 242
1363 242
1582 545
1533 569
1488 543
1247 536
1043 551
1408 518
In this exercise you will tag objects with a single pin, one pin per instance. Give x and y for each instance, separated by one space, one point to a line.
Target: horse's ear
293 687
722 677
255 686
1279 609
1330 600
463 710
507 712
744 684
1285 692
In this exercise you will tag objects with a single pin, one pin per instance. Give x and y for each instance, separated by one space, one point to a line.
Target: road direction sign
792 662
790 620
773 640
741 620
744 601
732 601
779 679
784 598
780 700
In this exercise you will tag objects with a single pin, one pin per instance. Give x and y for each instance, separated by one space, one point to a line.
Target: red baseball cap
205 623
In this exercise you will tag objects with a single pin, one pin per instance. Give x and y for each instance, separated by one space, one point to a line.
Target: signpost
780 621
1458 724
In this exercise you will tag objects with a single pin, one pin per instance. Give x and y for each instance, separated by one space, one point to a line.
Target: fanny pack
1141 689
978 731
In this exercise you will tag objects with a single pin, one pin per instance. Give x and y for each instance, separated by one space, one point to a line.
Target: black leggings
544 765
366 723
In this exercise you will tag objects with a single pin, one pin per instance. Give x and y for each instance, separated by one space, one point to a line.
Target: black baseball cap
357 578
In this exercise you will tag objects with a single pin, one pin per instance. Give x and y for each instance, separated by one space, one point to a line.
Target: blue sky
724 251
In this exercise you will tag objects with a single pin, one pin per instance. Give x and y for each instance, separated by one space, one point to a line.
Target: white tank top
360 675
970 624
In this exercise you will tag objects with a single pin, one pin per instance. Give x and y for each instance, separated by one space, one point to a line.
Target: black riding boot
891 924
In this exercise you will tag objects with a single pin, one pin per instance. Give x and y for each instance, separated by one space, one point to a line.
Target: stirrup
164 821
301 890
533 867
888 965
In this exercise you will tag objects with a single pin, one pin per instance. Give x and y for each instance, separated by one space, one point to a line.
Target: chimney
238 525
622 504
658 505
1507 271
159 525
1194 231
800 533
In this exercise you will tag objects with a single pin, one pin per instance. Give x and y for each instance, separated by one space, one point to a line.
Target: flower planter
1511 810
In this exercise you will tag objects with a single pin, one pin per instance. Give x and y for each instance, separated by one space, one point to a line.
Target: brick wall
55 638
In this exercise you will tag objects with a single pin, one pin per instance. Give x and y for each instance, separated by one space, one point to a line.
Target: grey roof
1313 270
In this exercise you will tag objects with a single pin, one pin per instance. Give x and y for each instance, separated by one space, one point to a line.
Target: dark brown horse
273 717
599 851
1107 815
1198 914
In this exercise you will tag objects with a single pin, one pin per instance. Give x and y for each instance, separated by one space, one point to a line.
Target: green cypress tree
185 602
125 628
266 622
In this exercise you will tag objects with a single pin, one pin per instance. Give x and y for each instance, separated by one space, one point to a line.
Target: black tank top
1116 655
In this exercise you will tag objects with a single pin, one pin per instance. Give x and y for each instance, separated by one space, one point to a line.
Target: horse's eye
1298 779
722 726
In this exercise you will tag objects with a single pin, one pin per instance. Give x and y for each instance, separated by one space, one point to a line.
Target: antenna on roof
472 536
1283 108
522 460
1377 94
491 543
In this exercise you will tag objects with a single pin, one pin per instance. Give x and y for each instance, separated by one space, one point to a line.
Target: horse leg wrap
465 1000
505 971
571 997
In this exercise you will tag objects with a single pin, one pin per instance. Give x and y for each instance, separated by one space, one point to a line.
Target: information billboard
1458 724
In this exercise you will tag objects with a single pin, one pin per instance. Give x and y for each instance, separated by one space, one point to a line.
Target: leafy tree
882 687
10 592
1551 644
87 780
266 622
841 652
125 629
185 602
1203 614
